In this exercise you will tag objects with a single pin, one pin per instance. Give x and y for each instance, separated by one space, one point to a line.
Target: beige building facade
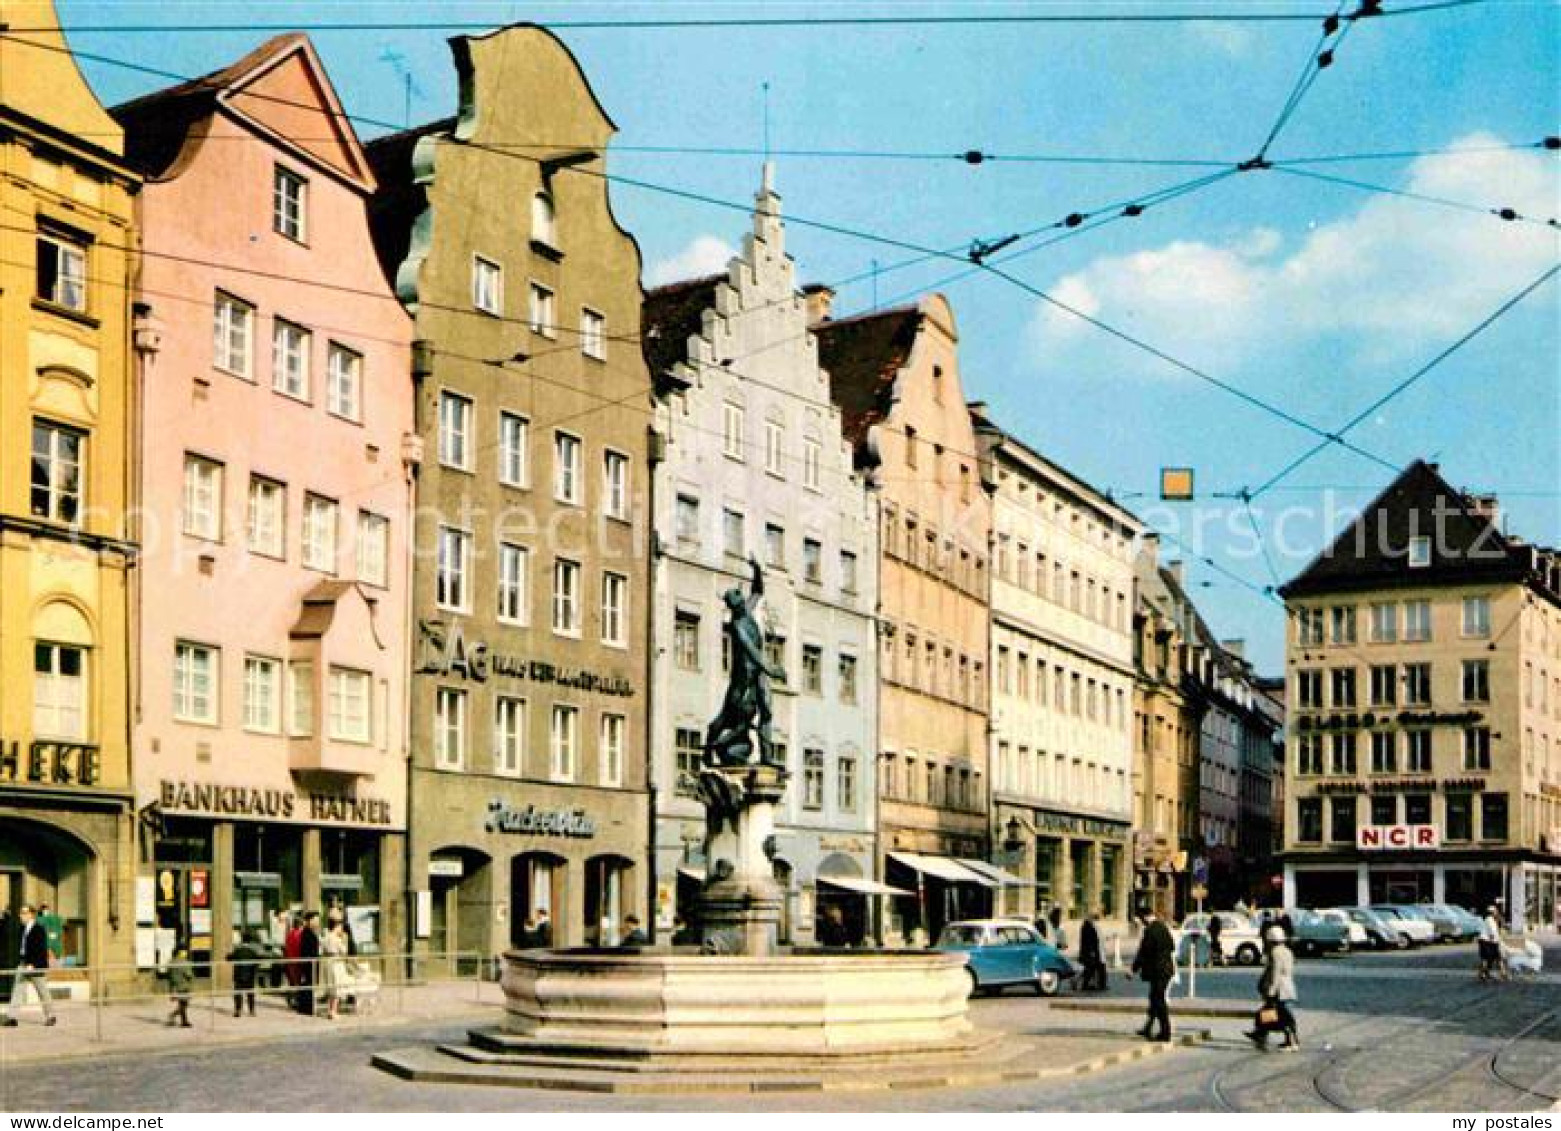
1424 744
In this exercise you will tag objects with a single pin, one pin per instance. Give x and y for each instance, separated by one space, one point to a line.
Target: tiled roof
671 315
1372 552
863 355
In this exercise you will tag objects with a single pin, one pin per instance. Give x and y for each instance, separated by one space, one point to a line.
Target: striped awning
942 868
862 886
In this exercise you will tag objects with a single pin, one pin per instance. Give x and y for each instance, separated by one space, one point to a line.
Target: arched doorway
850 904
609 898
536 885
40 864
461 927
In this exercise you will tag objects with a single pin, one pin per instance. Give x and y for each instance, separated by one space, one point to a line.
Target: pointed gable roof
863 355
1372 552
280 90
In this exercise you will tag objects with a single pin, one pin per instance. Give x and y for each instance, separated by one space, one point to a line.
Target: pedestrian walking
53 932
308 962
1059 936
544 932
292 952
181 977
1276 986
335 977
32 966
1155 963
246 958
1091 958
1491 964
1216 952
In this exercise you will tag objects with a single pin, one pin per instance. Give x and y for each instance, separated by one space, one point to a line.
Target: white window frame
233 332
1477 627
202 510
544 219
188 704
456 442
262 696
563 742
738 546
568 468
849 564
314 554
346 689
542 310
1419 552
60 701
510 717
344 382
733 427
593 333
615 609
775 449
610 751
300 698
812 460
568 578
514 584
487 285
373 549
615 484
452 706
290 344
453 569
514 449
70 271
265 520
289 204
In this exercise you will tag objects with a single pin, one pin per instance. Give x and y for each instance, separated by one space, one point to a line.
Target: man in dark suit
544 934
1155 963
309 963
32 968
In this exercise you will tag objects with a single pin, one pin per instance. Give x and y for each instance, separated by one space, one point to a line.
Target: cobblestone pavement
1388 1032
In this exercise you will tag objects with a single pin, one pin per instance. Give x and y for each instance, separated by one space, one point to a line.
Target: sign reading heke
443 650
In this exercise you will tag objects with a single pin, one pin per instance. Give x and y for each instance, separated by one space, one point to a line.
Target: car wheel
1047 983
1402 942
1247 954
975 983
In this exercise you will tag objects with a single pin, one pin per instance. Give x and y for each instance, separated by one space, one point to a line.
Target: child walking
180 978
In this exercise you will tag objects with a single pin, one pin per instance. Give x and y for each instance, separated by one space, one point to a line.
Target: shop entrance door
182 898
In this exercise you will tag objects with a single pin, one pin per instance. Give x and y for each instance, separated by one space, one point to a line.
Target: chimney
1237 648
1487 507
821 302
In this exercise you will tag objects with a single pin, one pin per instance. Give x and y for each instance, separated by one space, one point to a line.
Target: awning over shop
942 868
1003 877
861 886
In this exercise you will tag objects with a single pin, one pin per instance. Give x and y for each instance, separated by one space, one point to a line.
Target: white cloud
1392 277
1230 39
706 255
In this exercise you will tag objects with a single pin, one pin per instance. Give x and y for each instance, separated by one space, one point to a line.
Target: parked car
1382 932
1003 952
1240 940
1419 929
1354 932
1312 935
1446 924
1465 921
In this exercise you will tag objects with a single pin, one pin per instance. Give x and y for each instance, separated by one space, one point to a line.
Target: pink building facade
274 460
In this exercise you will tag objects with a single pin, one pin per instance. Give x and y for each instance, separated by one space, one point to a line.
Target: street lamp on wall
1014 840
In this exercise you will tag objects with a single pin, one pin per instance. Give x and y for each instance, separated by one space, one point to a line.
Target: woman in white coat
1277 989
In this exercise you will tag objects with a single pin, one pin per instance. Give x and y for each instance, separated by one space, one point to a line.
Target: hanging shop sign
281 804
504 818
1078 826
443 650
50 763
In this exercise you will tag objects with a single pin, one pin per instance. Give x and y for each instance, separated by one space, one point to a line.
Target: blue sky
1314 296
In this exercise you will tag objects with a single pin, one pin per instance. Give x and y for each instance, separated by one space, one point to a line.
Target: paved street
1398 1032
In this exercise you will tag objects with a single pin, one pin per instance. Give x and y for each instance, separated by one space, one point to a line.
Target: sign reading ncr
1396 836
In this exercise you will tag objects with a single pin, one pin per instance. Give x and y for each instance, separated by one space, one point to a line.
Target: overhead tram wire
1320 57
1235 16
746 209
1483 325
1510 215
1552 143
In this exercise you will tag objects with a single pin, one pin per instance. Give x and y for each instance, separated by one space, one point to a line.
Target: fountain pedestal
740 906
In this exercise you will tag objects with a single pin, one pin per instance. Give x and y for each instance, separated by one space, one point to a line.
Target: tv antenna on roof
409 87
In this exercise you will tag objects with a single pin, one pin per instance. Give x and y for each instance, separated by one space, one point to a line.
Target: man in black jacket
1090 956
32 967
309 964
1155 963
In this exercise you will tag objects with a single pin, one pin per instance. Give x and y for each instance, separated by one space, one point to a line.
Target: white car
1357 933
1420 931
1240 940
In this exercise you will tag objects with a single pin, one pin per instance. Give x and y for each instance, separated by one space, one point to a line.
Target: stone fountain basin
643 1003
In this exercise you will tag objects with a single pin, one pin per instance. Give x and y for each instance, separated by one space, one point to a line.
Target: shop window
349 883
